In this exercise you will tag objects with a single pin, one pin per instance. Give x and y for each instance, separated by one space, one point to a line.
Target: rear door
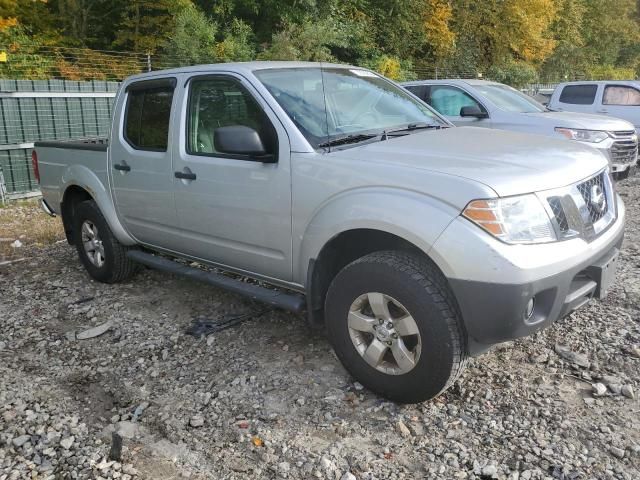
234 210
622 101
141 163
578 98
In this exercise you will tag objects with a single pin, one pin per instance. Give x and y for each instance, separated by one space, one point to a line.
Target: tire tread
422 270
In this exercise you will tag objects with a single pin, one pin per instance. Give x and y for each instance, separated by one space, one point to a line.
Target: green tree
147 24
23 57
193 39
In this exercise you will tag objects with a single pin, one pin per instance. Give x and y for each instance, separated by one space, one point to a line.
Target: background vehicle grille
586 190
625 147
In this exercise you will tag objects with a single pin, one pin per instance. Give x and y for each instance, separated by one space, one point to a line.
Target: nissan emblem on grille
597 198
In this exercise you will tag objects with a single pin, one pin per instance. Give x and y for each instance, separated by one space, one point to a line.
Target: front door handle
185 175
123 167
603 110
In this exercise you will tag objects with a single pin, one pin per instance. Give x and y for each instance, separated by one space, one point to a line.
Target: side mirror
241 140
473 111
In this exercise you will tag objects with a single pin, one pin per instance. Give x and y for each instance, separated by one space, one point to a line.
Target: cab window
450 100
222 102
147 114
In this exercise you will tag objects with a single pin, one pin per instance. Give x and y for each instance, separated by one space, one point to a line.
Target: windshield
510 99
358 102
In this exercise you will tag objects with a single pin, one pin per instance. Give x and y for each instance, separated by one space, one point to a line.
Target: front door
233 209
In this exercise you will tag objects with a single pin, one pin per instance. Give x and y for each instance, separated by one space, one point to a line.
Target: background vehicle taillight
34 164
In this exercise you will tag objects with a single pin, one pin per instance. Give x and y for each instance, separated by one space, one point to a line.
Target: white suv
609 97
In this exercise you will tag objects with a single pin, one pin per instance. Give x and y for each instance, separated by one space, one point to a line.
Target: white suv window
621 95
579 94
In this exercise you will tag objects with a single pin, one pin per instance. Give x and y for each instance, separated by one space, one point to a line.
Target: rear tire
104 258
368 308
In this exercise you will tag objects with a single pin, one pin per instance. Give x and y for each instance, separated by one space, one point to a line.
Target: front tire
104 258
393 322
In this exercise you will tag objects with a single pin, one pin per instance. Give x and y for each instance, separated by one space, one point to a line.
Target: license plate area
604 273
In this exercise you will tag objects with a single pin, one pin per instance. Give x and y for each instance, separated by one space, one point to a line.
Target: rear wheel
104 258
393 323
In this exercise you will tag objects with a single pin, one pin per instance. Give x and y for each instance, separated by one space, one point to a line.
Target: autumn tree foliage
510 39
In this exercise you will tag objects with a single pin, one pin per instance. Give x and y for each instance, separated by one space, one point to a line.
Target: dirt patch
22 223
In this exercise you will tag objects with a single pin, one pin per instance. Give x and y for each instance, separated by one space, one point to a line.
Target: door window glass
621 95
147 118
449 100
223 102
579 94
419 91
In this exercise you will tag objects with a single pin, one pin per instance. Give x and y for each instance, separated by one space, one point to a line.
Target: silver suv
481 103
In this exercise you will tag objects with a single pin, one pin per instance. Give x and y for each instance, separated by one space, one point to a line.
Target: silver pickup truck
415 243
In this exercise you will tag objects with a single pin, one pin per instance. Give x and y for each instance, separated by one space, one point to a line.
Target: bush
514 73
390 67
609 72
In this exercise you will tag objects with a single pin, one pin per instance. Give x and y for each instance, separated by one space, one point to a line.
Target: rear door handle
185 175
123 167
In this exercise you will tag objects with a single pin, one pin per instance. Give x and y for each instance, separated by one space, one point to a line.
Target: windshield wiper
410 128
348 139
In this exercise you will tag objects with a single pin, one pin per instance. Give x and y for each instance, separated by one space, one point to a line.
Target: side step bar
287 301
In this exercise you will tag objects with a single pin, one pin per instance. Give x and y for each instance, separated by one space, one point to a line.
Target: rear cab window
579 94
147 114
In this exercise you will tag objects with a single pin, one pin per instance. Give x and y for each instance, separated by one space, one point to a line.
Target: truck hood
585 121
510 163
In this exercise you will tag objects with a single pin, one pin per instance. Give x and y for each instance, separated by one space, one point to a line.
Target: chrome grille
584 209
556 206
625 147
592 191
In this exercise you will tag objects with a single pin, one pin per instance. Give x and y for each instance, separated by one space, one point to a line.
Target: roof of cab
600 82
454 81
236 67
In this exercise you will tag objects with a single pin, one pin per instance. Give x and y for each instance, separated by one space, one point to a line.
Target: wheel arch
77 191
338 252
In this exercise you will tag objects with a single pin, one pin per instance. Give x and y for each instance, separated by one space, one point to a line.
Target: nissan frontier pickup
415 243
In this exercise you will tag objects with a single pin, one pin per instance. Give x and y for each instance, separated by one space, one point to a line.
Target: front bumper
493 282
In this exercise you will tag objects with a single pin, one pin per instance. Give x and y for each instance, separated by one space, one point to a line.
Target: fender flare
83 177
390 210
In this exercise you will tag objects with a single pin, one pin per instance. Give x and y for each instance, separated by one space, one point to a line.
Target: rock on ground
268 399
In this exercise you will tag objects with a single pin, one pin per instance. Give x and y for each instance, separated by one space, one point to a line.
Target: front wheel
393 323
104 258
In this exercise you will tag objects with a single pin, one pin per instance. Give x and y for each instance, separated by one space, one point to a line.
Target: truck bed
66 162
99 144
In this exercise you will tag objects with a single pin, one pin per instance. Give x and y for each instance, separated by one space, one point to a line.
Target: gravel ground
267 398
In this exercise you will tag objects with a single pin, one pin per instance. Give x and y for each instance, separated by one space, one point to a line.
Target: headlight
520 219
589 136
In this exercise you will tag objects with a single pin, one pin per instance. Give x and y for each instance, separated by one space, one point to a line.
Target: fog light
528 311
